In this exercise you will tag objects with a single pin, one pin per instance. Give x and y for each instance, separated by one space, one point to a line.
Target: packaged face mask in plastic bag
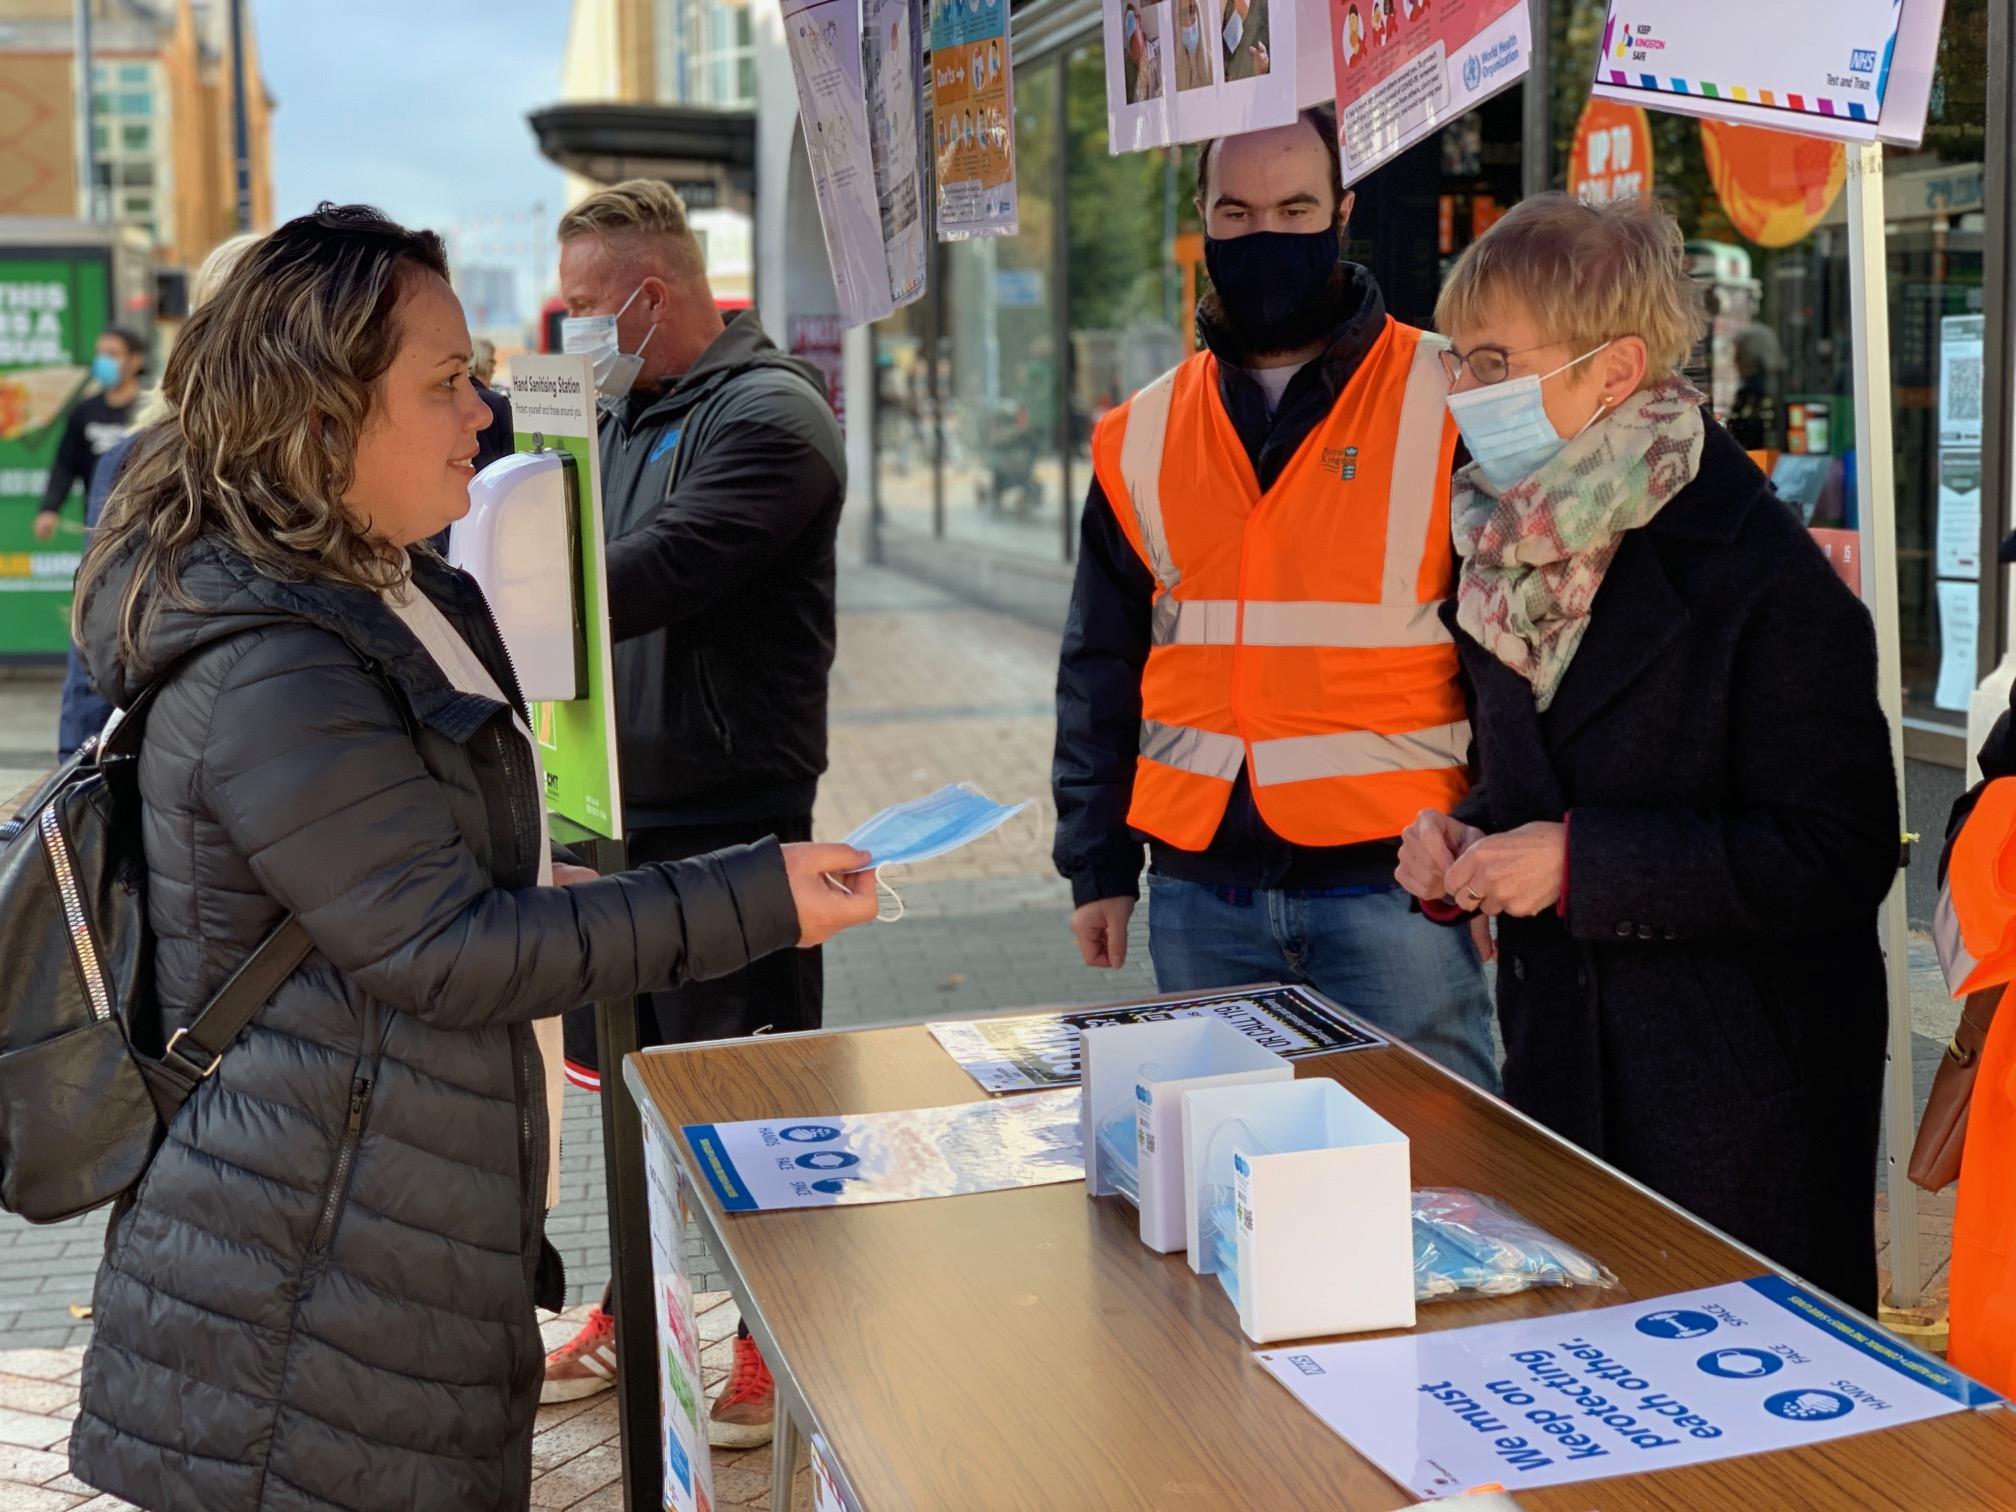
1120 1155
931 826
1467 1243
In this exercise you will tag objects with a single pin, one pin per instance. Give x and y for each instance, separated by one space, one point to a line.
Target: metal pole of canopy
1875 488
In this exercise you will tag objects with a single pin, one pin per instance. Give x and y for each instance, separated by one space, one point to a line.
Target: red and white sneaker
583 1365
744 1415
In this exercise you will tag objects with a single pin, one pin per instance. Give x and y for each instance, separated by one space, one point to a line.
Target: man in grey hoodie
723 475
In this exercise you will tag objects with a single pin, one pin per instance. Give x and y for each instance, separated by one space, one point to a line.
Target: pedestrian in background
84 712
723 475
1686 815
322 1292
1253 675
95 424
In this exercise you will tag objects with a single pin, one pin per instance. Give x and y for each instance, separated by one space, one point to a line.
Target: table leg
629 1237
784 1447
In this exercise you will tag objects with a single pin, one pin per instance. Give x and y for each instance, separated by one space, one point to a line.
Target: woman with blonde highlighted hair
1686 814
322 1292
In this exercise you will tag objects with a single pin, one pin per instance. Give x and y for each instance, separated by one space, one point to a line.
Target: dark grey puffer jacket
322 1295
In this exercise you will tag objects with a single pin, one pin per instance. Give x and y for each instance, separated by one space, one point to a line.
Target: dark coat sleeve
309 769
1106 637
1809 830
70 466
746 498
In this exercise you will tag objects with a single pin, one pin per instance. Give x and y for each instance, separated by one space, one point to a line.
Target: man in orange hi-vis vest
1253 677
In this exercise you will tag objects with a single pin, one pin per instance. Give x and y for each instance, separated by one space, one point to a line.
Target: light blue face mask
930 826
1506 429
107 370
1235 28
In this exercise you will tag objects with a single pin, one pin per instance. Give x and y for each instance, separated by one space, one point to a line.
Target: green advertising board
553 405
53 305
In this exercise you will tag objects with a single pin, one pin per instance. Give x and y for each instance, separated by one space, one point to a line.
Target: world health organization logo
1473 72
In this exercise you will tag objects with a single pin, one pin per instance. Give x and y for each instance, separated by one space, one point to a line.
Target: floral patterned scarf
1534 556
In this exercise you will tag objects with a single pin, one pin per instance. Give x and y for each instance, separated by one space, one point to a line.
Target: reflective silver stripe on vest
1372 627
1419 478
1195 622
1141 466
1200 752
1359 753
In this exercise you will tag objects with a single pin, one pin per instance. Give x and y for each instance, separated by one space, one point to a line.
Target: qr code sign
1963 388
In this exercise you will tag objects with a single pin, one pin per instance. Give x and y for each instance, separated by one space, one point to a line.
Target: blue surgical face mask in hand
1505 425
930 826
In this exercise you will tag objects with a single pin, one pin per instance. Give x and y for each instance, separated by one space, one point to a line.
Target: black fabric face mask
1269 281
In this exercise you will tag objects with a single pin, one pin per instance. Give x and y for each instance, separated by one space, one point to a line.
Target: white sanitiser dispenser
520 541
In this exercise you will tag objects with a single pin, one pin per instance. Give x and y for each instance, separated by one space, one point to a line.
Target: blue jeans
1368 951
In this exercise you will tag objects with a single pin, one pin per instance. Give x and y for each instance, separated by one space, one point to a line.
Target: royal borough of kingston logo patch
1341 462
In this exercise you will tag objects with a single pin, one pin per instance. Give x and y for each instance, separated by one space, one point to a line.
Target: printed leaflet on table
973 119
1041 1049
1706 1375
1406 68
829 1161
1853 70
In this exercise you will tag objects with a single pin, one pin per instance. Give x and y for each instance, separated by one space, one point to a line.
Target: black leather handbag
86 1086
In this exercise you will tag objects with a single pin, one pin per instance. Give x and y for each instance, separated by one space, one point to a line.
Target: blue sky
418 107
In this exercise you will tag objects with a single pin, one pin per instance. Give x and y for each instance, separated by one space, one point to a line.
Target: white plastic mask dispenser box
521 542
1131 1094
1317 1190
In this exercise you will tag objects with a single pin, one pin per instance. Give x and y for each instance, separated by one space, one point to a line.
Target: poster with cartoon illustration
973 119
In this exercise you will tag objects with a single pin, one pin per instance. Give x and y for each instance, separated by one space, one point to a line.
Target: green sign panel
553 401
52 309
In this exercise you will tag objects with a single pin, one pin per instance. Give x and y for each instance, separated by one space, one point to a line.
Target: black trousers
778 993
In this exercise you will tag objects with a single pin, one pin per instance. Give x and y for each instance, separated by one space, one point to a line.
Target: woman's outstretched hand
830 893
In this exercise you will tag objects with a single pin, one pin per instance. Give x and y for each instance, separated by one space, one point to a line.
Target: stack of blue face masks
1119 1156
1218 1232
1467 1243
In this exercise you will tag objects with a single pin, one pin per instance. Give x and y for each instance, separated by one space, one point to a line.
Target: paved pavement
927 690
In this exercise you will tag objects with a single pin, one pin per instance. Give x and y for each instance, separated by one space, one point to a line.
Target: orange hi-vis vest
1295 632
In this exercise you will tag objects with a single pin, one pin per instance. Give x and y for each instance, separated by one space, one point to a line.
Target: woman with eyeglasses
1685 813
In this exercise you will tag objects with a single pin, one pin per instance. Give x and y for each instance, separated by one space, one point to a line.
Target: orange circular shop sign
1613 153
1775 186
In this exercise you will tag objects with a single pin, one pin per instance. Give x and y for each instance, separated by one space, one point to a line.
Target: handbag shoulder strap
193 1052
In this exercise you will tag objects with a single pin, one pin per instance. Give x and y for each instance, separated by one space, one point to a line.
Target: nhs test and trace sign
1857 70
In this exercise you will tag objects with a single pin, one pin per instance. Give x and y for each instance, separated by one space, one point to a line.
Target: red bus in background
555 310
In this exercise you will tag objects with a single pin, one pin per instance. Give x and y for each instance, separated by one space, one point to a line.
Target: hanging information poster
973 119
553 404
1041 1049
1406 70
894 62
1709 1375
1854 70
825 41
1194 70
838 1161
682 1400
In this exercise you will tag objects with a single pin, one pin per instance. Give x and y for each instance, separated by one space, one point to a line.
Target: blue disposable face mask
1192 35
930 826
1235 28
594 337
1129 25
107 370
1506 429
